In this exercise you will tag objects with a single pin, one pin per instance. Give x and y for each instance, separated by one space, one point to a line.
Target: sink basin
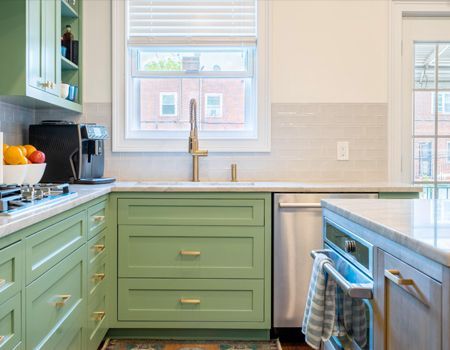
198 184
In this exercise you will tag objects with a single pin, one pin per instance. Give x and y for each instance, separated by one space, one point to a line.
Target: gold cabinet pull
98 315
393 275
63 299
2 282
2 337
99 247
190 301
190 252
99 218
98 276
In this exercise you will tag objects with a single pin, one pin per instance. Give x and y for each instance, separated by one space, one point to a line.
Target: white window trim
175 98
220 115
120 66
399 129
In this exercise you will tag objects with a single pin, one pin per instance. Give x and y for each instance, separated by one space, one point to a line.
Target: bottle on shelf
67 40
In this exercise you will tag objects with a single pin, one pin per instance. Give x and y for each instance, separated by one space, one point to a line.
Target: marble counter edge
394 235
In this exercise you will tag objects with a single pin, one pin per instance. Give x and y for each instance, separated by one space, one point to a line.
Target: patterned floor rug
149 344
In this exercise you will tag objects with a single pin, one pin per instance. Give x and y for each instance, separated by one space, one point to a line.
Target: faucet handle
233 172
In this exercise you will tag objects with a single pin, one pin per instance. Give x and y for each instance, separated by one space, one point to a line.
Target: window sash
137 73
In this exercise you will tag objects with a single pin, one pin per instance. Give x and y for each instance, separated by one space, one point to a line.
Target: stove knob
350 246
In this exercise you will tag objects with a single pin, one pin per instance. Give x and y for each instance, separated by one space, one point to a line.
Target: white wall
322 51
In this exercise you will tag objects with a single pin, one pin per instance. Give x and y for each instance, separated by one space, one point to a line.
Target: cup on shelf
73 92
65 90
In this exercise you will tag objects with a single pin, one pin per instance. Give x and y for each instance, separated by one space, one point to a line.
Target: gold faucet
193 141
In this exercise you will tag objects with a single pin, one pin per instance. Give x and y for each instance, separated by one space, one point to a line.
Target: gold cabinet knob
99 218
98 315
189 301
63 299
99 247
190 252
98 276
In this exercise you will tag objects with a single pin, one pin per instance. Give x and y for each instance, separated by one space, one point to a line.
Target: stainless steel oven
352 271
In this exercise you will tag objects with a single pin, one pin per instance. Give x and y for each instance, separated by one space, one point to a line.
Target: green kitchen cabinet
32 71
191 263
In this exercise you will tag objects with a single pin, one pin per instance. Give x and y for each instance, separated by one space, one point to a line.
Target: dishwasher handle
299 205
353 290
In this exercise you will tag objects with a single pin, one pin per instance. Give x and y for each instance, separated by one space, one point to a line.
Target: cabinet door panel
410 302
36 44
52 45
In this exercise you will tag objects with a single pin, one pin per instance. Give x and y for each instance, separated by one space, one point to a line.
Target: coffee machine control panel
94 132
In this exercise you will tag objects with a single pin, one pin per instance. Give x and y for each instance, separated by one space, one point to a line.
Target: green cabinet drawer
11 263
190 300
191 211
191 251
46 248
97 218
53 297
97 248
97 276
11 323
97 319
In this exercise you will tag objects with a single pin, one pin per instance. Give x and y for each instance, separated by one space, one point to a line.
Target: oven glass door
355 315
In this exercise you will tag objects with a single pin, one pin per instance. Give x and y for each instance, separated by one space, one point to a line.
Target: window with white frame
443 101
168 104
213 105
218 57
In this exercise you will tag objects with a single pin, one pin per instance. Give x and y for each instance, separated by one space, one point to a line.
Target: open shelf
67 10
67 64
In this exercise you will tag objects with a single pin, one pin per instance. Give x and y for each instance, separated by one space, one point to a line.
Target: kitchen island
410 266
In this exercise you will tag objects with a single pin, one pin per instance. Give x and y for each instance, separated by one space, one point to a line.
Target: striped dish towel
320 311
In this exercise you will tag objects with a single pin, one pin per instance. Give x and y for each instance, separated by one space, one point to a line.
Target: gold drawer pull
98 315
2 282
393 275
98 276
99 218
64 298
190 252
190 301
99 247
2 337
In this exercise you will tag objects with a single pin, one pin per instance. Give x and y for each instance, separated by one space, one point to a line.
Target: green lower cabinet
11 323
191 251
11 270
54 299
97 324
191 300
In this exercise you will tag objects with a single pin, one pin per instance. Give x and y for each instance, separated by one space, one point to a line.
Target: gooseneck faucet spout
193 141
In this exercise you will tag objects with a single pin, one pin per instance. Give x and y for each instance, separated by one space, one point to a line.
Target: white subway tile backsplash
304 138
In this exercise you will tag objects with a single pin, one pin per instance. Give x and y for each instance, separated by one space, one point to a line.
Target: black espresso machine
74 152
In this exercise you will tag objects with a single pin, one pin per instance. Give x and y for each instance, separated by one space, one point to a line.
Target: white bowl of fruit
22 165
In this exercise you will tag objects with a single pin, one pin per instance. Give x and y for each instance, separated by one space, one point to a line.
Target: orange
14 156
30 149
24 150
5 147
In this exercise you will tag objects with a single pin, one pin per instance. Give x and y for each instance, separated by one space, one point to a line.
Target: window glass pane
222 103
443 159
193 61
443 192
424 115
424 66
444 66
423 159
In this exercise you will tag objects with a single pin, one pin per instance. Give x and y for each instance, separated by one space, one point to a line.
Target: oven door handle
353 290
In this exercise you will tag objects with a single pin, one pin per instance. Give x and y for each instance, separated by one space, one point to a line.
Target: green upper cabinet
32 67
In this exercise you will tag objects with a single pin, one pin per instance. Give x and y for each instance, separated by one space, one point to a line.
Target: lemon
14 156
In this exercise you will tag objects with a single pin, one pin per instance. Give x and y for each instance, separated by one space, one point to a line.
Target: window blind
191 18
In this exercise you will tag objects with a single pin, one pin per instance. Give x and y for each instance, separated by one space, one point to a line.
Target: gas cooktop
15 199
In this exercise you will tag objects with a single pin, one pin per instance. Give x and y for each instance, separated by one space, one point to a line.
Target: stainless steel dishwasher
297 231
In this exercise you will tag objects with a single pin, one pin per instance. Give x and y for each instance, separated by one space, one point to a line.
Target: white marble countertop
86 193
420 225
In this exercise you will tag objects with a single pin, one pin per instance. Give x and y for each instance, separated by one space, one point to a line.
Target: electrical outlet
342 150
